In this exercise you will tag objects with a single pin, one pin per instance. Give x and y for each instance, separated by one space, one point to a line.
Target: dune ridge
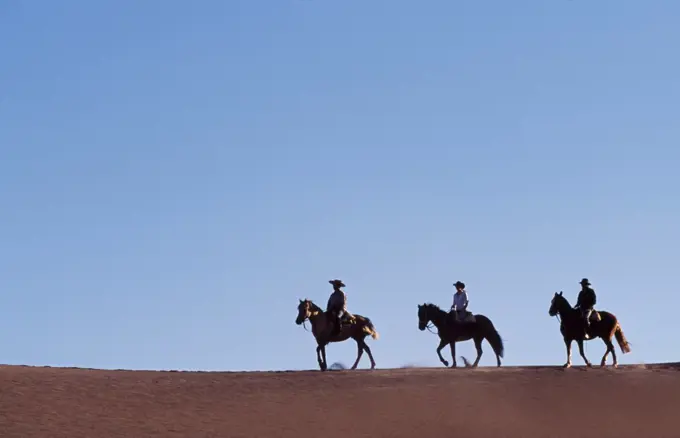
526 402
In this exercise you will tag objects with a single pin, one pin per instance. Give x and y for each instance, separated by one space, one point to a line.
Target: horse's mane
562 297
433 306
313 304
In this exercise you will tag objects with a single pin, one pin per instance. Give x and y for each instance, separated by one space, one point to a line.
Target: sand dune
523 402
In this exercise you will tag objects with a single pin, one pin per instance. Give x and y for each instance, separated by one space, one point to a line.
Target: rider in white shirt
460 301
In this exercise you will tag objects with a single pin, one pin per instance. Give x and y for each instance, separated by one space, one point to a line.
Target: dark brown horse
603 325
451 332
322 329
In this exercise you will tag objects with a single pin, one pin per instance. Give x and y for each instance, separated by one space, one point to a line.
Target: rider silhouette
460 302
586 301
337 305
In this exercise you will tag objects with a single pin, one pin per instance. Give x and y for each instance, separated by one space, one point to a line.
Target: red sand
405 403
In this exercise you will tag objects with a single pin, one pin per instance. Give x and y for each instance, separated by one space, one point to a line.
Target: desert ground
522 402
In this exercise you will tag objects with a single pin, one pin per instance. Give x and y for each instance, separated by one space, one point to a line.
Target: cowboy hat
459 283
338 283
585 281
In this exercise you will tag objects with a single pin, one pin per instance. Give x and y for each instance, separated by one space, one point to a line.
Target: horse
572 329
482 328
322 329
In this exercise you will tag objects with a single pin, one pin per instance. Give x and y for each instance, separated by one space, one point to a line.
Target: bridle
304 321
428 326
557 313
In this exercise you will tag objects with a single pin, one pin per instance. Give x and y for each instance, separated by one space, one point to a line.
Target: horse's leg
583 354
368 351
567 342
498 359
323 354
453 353
603 362
442 344
610 347
478 346
318 357
360 351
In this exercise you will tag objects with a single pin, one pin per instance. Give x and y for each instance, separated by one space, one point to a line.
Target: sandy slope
487 402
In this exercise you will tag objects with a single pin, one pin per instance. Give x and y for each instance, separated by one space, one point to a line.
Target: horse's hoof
446 363
566 365
615 365
589 365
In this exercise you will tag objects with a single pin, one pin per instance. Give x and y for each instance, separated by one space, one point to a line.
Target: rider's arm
465 296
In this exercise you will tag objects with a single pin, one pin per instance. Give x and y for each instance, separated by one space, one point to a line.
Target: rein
304 321
430 324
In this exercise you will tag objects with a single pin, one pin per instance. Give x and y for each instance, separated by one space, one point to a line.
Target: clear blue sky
174 177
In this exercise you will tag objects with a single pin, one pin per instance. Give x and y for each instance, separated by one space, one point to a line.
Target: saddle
345 320
469 317
595 316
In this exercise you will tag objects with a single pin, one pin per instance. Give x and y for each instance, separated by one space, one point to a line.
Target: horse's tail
369 329
495 339
621 339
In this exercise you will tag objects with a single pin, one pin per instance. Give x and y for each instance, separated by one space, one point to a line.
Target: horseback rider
337 306
460 302
586 301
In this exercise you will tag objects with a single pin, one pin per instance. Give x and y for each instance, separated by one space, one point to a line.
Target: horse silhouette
450 332
322 329
572 328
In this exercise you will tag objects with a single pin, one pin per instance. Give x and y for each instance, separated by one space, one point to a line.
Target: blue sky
175 177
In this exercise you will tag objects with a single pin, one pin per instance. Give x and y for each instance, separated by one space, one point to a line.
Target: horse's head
423 316
304 311
558 304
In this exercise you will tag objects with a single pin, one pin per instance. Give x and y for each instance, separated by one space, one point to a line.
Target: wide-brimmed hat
459 283
338 283
584 281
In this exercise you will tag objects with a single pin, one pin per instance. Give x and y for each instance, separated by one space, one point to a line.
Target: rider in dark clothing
337 305
586 301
